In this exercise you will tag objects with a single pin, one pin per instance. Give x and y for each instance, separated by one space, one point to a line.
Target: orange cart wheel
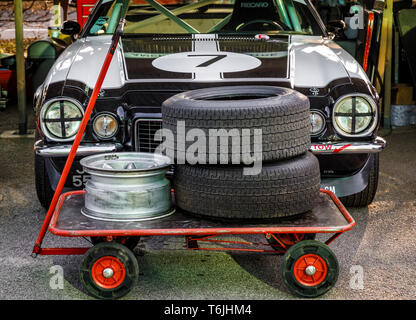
288 239
309 269
109 270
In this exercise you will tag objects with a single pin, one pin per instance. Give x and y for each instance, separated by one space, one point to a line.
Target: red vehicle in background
84 7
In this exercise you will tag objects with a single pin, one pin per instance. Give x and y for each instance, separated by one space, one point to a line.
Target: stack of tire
289 181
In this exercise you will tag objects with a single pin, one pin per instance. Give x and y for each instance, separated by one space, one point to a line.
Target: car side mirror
70 28
336 27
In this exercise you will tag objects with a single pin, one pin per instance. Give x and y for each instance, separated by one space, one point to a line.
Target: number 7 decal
207 63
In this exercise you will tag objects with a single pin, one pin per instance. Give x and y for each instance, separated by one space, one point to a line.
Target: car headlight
60 119
355 115
317 122
105 126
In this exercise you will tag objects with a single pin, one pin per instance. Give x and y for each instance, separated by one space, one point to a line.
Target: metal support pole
20 67
387 73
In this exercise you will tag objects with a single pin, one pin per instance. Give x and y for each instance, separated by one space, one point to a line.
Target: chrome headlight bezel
44 111
374 113
105 114
322 116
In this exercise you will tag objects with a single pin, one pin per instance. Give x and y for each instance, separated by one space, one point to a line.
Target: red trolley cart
110 269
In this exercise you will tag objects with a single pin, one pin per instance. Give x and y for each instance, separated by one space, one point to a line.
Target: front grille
145 134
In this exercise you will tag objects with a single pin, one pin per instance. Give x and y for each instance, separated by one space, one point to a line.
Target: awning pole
20 67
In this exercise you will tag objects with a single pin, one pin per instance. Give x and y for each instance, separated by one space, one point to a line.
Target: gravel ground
382 244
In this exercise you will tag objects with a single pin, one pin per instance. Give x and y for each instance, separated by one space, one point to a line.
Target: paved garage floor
377 259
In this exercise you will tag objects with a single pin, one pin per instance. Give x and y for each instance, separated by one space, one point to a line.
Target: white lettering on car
254 4
330 188
79 179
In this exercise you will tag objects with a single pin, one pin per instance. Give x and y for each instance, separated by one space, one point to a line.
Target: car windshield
204 16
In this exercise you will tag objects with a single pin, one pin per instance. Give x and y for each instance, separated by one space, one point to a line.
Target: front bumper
340 185
317 148
83 149
348 147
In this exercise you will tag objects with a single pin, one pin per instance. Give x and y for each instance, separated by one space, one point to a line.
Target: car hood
303 61
295 61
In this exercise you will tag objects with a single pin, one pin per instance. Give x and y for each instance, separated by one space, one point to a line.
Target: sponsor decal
141 55
254 4
328 147
341 148
262 37
322 147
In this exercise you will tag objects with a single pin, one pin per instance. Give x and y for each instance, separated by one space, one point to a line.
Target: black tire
288 239
123 263
303 254
365 197
281 189
44 190
129 242
282 114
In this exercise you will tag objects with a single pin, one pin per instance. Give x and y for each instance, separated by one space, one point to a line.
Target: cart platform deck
306 260
328 216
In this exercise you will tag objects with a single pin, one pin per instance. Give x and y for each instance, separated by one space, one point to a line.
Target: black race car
174 46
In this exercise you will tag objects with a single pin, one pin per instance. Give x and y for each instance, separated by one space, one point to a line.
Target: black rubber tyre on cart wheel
109 270
282 114
309 269
284 188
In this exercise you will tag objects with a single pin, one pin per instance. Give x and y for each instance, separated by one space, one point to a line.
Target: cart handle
114 43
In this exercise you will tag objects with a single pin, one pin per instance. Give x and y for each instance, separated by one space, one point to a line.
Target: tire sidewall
203 99
282 115
281 189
